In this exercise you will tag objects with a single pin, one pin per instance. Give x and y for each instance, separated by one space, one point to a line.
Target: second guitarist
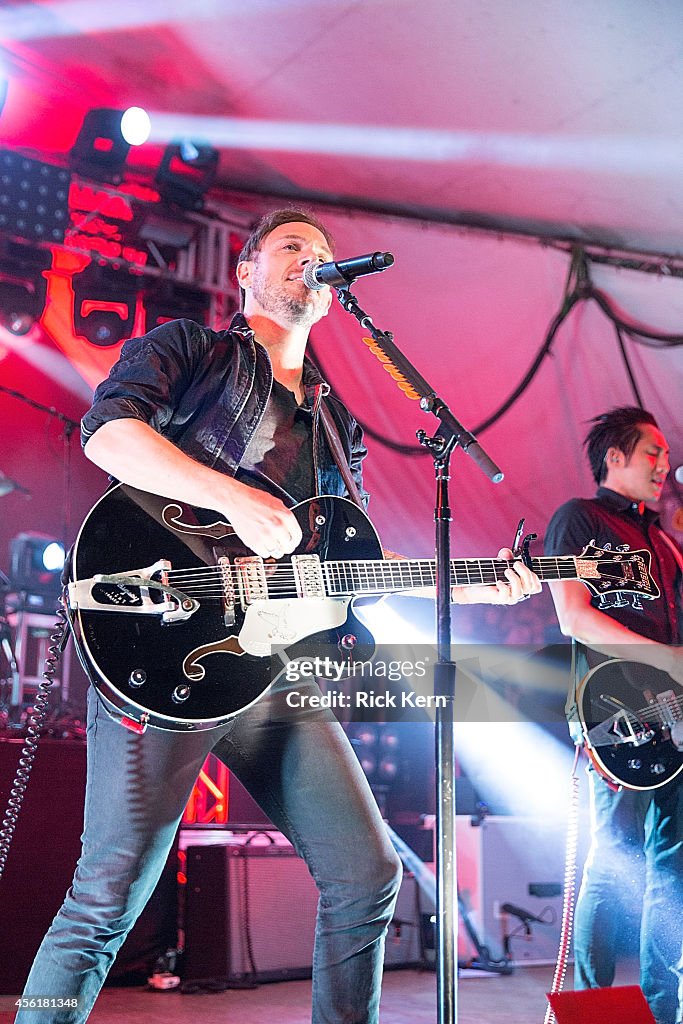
636 857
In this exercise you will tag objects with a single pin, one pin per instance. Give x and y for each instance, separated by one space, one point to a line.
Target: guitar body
627 712
196 673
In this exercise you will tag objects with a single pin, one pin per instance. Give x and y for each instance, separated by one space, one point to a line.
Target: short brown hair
274 219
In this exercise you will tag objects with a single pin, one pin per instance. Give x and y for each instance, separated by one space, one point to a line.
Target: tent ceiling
552 118
547 116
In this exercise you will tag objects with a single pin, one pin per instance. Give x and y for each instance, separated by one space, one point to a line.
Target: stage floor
408 997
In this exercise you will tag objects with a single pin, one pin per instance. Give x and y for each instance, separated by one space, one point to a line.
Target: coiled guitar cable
58 640
569 888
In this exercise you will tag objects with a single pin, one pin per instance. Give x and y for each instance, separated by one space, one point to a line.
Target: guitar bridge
619 728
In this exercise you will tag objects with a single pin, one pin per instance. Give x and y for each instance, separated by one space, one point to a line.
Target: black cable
28 753
404 449
396 446
667 340
628 367
578 288
544 351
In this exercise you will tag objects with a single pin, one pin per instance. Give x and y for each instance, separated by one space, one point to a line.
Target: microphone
343 272
523 915
678 475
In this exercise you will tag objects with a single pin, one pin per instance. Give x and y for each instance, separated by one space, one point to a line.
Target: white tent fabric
539 117
472 311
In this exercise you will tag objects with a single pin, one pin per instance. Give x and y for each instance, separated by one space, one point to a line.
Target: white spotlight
135 126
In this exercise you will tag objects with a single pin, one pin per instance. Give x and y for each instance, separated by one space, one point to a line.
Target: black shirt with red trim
614 522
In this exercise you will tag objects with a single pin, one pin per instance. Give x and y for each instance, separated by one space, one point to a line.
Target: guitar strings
656 710
475 570
371 576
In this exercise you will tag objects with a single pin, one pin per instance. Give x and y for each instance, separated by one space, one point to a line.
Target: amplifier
250 913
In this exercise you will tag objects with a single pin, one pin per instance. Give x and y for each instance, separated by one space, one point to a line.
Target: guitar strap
335 444
571 708
676 553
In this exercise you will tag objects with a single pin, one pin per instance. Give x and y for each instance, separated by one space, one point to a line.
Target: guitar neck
384 576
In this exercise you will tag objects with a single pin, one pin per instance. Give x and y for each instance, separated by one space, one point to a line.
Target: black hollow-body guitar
178 620
632 721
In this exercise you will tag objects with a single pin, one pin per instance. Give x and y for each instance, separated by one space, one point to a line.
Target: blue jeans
635 861
305 776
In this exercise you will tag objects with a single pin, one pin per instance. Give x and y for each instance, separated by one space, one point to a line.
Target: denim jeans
635 863
303 773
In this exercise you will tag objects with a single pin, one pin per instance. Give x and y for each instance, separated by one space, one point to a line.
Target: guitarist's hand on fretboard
522 583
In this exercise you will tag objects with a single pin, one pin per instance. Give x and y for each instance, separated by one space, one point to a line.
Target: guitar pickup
227 590
308 575
251 580
132 593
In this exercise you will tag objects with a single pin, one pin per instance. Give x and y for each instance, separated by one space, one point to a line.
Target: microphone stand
68 426
450 434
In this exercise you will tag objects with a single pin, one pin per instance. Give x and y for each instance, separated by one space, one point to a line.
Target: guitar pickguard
269 624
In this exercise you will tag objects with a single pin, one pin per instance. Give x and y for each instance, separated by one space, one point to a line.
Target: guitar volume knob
635 763
181 693
657 768
138 677
348 642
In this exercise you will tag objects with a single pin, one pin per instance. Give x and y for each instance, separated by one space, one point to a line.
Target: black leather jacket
206 391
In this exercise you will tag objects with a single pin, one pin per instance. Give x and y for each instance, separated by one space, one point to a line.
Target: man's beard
296 309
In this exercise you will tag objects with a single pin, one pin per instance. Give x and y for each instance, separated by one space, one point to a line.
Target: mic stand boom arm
451 433
452 430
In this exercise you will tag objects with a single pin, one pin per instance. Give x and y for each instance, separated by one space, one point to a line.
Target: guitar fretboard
383 576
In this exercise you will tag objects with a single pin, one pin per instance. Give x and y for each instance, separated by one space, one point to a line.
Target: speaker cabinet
250 912
519 861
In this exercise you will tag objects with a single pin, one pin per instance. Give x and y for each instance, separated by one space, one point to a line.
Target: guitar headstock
617 572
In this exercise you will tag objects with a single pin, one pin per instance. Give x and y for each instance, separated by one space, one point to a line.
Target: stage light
34 198
104 305
53 557
186 172
20 306
36 562
17 309
101 148
377 748
135 126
